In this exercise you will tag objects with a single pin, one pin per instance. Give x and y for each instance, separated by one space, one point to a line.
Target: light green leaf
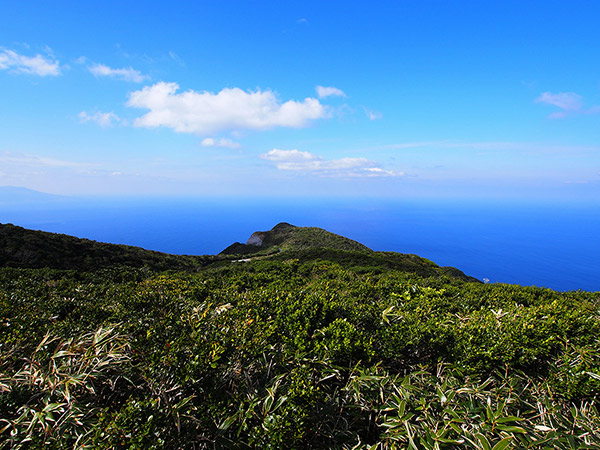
501 445
511 429
484 441
509 419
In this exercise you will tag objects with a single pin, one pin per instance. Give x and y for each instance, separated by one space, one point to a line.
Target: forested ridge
287 346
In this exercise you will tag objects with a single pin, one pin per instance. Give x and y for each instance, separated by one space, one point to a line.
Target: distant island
21 195
298 338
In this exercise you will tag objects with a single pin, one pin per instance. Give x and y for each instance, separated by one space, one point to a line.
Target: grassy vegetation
316 349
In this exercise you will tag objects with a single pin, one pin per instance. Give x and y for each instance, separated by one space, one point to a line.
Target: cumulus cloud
568 102
329 91
126 73
104 119
33 65
206 113
296 160
222 142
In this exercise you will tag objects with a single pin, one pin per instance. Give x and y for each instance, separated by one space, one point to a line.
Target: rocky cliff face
256 238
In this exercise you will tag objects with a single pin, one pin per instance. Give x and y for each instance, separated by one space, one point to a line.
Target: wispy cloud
569 103
404 145
222 142
373 115
104 119
577 182
36 161
175 57
32 65
231 109
491 145
125 74
329 91
57 175
301 161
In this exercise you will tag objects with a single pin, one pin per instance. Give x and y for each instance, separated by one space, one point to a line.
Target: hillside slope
20 247
284 236
286 242
23 248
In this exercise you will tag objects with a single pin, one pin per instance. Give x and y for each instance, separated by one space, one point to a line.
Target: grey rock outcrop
256 239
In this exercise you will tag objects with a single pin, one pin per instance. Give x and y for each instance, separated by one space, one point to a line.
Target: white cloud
568 102
222 142
126 74
296 160
329 91
230 109
291 159
104 119
32 65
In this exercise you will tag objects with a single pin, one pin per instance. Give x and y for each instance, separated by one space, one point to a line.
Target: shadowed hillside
20 247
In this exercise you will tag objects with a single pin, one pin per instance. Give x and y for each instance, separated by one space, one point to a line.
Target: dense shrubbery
286 354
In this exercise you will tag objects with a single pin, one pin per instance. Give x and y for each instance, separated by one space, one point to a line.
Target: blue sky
392 99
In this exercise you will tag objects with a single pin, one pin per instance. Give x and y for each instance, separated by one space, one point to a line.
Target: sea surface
554 245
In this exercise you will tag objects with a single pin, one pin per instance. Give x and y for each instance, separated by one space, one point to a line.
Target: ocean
554 245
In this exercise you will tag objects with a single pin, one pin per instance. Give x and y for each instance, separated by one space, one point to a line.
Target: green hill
23 248
20 247
286 242
284 236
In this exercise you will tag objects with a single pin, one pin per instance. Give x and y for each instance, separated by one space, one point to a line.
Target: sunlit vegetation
293 353
284 236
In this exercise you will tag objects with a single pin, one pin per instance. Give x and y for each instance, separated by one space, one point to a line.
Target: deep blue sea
555 245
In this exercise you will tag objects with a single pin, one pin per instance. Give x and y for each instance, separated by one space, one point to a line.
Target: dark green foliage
373 261
332 351
20 247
